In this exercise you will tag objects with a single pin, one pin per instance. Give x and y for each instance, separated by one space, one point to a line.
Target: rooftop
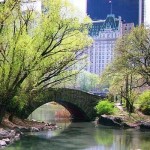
110 23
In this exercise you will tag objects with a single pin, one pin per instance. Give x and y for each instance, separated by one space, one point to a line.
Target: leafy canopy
38 48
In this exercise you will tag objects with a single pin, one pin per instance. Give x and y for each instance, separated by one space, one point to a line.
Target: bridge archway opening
77 114
58 110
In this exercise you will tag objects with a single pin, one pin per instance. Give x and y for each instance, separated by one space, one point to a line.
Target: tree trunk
127 105
131 92
127 93
5 104
131 110
2 112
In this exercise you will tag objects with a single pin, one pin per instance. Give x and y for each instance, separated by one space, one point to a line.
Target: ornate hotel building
104 34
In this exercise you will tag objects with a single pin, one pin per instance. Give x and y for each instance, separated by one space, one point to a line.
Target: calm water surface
80 136
84 136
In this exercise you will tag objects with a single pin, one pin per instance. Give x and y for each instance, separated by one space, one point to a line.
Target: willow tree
131 66
37 48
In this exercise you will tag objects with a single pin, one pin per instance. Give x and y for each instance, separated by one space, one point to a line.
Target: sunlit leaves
37 48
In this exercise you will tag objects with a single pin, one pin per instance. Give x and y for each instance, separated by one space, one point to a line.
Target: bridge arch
80 104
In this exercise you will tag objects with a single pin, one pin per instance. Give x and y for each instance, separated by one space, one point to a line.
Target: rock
127 125
21 129
145 125
7 140
2 143
7 134
17 137
52 124
46 124
118 119
3 134
33 129
110 121
24 129
33 120
17 130
12 132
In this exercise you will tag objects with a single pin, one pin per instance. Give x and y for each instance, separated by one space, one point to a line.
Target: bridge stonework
80 104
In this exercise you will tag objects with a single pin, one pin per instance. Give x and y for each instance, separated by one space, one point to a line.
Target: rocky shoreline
108 120
8 137
11 131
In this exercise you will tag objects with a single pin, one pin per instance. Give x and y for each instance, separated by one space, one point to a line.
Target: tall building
127 9
147 12
127 27
141 11
104 33
144 12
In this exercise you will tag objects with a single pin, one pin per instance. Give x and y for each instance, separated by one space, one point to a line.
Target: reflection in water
84 136
104 137
50 112
81 136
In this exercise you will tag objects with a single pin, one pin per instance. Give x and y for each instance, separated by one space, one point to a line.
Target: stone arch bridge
80 104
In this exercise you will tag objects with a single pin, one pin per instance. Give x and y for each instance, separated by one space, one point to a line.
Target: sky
81 4
127 9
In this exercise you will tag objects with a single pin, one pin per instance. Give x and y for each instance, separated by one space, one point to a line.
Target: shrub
105 107
144 100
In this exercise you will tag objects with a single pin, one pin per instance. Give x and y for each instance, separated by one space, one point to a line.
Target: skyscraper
127 9
144 12
147 12
141 11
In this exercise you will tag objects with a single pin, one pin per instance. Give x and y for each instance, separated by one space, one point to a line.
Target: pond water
83 136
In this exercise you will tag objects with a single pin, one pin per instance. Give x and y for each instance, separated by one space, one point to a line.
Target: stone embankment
109 120
11 131
8 136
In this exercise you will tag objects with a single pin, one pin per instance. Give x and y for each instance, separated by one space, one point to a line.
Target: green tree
83 80
87 81
131 66
144 101
133 54
36 49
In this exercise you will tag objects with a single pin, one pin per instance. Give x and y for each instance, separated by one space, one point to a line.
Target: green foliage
105 107
82 80
144 100
36 49
130 67
87 81
19 101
